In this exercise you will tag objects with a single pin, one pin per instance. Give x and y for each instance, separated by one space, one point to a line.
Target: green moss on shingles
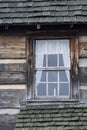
46 118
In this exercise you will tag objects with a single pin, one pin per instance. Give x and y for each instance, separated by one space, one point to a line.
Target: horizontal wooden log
83 50
83 87
12 47
11 98
6 78
12 54
83 96
83 39
13 67
82 62
83 75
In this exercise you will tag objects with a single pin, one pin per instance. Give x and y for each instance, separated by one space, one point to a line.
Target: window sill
58 100
53 102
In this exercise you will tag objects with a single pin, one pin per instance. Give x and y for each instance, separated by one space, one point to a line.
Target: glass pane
52 48
52 89
61 62
41 76
41 89
40 61
63 89
63 76
44 61
41 46
52 76
52 60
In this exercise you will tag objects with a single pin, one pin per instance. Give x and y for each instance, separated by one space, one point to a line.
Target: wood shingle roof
43 11
52 118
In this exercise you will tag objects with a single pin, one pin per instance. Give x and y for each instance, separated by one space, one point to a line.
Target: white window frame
56 69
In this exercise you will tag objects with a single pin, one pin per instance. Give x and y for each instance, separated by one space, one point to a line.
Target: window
52 68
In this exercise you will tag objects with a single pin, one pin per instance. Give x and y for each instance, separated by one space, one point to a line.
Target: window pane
52 76
63 76
61 62
44 61
41 46
52 48
63 89
41 89
41 76
52 89
40 61
52 60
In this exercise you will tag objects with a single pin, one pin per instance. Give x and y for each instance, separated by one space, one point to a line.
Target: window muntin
52 68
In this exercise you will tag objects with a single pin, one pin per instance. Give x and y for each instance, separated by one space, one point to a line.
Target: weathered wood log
12 47
82 39
83 75
12 77
13 67
11 98
83 50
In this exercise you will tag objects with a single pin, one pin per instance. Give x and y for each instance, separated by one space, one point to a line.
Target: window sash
55 80
46 48
51 68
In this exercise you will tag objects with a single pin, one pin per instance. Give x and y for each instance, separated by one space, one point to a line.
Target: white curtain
65 51
41 49
44 47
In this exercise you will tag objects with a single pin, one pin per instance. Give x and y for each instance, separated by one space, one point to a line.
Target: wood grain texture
82 62
74 67
12 77
12 47
11 98
74 57
83 75
13 67
83 50
82 39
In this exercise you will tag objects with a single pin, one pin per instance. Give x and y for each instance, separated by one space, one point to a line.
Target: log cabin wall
12 78
83 68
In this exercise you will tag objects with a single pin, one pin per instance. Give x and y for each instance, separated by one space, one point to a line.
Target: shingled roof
43 11
52 118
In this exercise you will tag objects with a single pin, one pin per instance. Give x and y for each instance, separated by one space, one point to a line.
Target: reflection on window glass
52 89
52 76
63 89
52 60
63 76
41 89
61 62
